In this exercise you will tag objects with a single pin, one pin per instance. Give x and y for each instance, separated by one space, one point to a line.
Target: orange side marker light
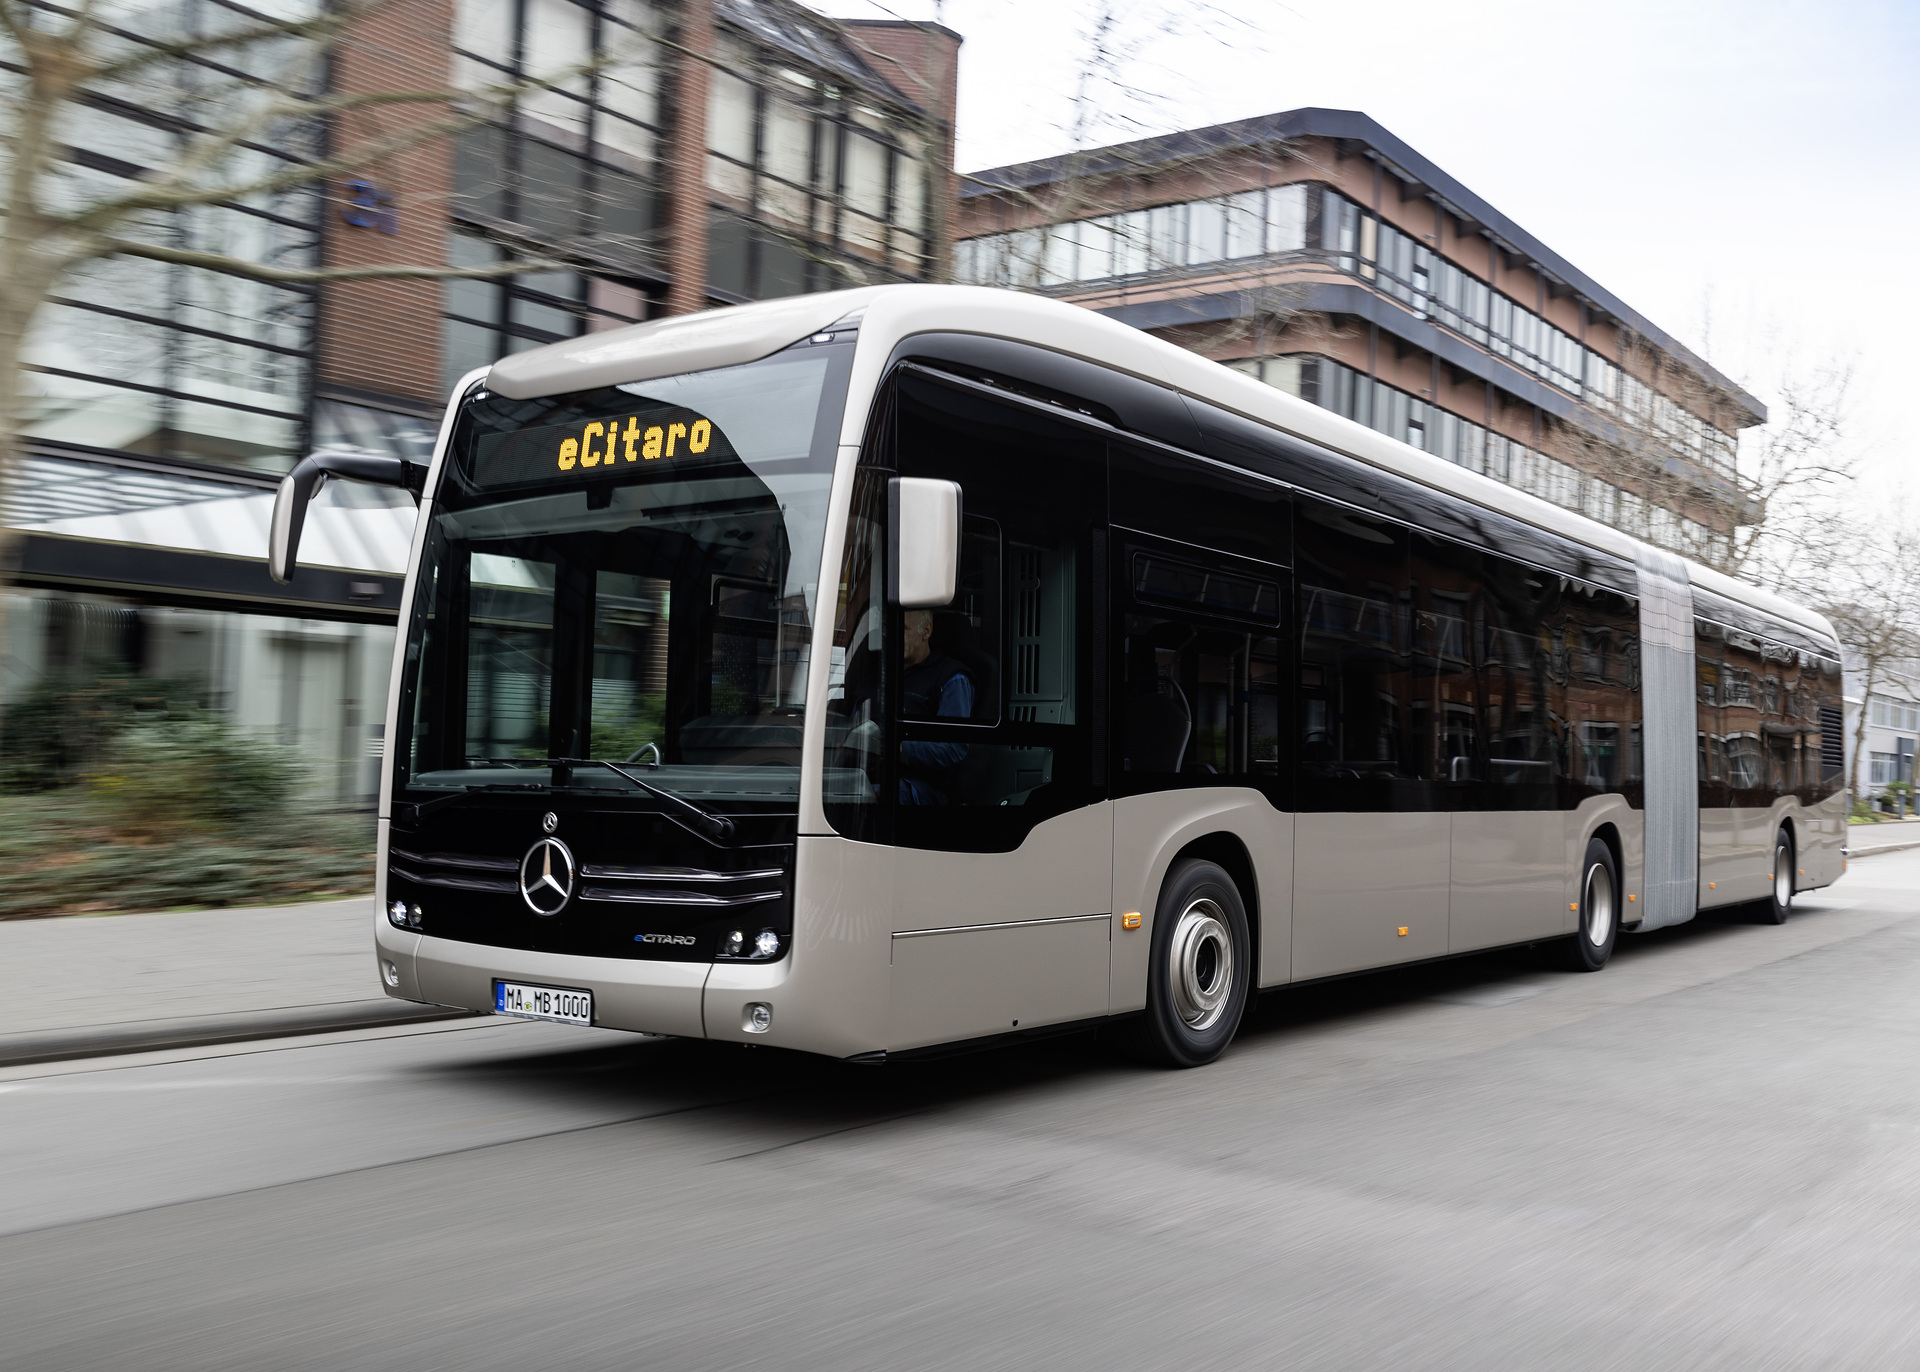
1403 931
1631 899
1130 920
1713 886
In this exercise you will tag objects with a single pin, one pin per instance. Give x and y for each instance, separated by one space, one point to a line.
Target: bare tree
1120 90
1874 607
225 92
1767 509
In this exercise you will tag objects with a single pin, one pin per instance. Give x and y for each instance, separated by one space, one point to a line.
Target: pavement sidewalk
1888 836
89 986
86 986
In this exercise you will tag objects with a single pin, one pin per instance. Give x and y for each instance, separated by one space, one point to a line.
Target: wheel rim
1201 957
1782 876
1598 899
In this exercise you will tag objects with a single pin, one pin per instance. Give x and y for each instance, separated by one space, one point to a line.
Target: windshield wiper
420 809
707 823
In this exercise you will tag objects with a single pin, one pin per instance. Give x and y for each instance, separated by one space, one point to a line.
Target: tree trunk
1860 729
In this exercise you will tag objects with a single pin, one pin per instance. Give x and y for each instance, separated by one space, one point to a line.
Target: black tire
1779 902
1201 968
1599 925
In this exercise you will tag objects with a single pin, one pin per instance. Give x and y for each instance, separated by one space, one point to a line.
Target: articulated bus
912 667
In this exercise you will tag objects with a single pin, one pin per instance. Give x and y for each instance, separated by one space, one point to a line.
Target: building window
1196 233
575 161
1889 713
1399 414
173 361
487 319
795 162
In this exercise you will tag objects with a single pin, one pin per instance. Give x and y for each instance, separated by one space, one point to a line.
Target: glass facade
816 182
1302 218
166 361
317 687
1195 233
1402 415
572 167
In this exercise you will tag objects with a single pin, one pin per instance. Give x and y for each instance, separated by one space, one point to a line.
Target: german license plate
557 1003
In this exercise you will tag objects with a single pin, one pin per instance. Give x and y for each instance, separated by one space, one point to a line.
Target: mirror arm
303 483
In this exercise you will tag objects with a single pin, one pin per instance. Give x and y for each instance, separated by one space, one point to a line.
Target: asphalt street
1707 1156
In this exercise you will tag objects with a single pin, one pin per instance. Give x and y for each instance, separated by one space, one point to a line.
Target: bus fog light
734 944
414 917
389 974
397 914
758 1017
767 945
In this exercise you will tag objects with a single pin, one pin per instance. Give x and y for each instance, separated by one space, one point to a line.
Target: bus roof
889 314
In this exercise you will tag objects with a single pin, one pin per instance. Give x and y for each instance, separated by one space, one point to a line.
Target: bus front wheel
1592 942
1201 967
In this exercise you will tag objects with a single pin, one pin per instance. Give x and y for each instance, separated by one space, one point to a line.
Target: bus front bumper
633 994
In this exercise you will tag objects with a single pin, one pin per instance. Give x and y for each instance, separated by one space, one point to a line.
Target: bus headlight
765 946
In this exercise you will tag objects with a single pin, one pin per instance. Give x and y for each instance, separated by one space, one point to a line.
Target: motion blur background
1633 258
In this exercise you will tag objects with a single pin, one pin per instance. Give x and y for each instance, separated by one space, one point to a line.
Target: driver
935 686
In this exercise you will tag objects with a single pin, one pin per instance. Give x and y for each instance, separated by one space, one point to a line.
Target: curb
1853 852
148 1036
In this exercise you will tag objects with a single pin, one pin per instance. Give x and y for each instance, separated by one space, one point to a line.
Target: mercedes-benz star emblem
550 822
546 877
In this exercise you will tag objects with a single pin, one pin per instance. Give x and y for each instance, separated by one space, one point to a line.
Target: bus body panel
830 994
1628 825
1822 842
643 996
1509 877
982 939
1149 831
1736 849
1359 880
954 984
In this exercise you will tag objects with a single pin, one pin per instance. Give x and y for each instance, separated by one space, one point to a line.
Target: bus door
1003 872
1373 833
1200 590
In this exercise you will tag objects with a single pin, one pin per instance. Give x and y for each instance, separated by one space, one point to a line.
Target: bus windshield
625 576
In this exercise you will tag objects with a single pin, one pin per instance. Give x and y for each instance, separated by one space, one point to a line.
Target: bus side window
989 733
1521 701
1355 688
1199 669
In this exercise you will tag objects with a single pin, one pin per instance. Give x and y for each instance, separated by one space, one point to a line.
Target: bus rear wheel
1779 902
1592 943
1201 967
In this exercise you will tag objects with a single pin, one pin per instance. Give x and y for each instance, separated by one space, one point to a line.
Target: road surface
1707 1156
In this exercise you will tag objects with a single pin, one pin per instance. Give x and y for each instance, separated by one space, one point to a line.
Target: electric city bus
878 672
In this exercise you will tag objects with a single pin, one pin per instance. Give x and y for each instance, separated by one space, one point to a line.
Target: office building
654 158
1317 251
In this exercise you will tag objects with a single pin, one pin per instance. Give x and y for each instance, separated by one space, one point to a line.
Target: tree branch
313 276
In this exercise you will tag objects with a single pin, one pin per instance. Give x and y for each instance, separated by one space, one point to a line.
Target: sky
1742 172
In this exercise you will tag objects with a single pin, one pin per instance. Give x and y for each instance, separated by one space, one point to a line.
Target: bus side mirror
303 483
923 542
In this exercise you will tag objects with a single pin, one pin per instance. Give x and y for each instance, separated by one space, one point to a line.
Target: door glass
964 722
1199 693
630 617
1355 698
509 656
